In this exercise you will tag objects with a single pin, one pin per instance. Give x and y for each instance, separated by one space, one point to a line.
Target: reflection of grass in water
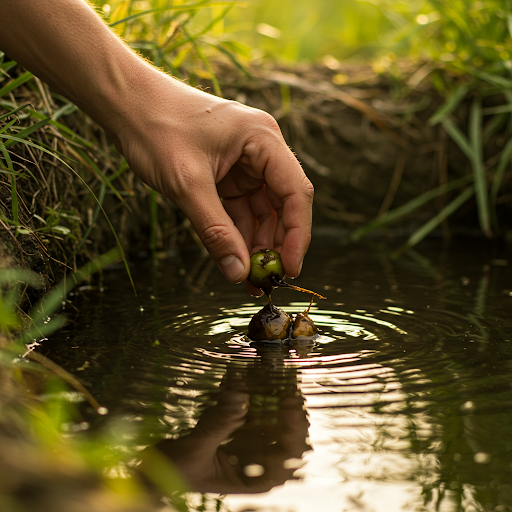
36 413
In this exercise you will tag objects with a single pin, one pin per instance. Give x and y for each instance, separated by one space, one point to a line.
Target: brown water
404 403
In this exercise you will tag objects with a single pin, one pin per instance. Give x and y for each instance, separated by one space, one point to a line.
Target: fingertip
255 292
233 268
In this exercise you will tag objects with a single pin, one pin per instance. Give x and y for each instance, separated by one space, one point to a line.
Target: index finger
266 155
291 195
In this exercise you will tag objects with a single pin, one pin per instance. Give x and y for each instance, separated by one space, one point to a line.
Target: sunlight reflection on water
404 401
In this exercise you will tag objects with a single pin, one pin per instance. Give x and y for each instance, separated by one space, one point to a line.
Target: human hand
193 147
197 149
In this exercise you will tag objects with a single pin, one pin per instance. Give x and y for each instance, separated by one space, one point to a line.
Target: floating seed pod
269 324
302 325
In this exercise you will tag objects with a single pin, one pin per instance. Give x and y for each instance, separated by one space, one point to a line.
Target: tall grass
46 450
177 36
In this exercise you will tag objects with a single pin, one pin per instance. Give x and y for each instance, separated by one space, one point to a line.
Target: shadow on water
403 403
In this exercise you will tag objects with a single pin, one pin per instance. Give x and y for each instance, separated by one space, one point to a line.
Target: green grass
468 46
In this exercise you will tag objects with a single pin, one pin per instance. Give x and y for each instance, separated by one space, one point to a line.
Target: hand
189 145
205 466
197 149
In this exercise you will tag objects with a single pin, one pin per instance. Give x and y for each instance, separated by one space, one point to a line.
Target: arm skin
190 146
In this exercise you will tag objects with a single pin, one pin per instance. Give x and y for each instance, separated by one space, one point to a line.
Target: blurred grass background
461 32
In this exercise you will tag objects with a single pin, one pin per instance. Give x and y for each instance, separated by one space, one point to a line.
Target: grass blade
186 7
25 77
100 173
94 217
505 158
450 105
27 131
53 300
430 225
458 137
14 204
8 125
409 207
12 112
14 192
40 148
480 180
200 54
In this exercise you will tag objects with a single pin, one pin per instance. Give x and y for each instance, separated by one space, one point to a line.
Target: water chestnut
303 326
272 323
269 324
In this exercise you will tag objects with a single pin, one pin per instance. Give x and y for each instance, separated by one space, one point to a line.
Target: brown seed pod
303 326
270 323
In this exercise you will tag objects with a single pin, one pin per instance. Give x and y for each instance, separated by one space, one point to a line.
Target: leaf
61 229
450 105
25 77
431 224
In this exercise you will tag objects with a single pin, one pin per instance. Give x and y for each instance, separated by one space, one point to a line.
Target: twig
67 377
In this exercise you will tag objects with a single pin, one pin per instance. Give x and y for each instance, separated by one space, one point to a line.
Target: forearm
68 46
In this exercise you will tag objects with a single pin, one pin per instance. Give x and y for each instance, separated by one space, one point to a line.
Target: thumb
219 235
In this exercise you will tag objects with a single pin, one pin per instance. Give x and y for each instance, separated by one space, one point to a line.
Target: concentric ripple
408 383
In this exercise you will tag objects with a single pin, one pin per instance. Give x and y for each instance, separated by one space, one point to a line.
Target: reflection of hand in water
268 443
198 456
254 460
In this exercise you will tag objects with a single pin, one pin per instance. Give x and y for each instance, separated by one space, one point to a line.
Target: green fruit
270 323
266 269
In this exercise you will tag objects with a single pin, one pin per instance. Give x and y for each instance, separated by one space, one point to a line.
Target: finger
267 218
216 229
287 188
240 180
239 209
218 422
293 229
279 232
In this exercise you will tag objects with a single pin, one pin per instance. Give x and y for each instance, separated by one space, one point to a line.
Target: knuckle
262 119
215 236
309 189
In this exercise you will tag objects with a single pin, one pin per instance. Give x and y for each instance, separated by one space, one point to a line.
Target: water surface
404 402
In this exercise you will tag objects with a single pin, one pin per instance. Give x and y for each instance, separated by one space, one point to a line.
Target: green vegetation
66 193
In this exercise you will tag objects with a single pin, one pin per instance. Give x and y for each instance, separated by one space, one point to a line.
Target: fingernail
232 268
300 266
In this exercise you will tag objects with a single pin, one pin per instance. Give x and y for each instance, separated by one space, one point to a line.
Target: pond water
404 402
